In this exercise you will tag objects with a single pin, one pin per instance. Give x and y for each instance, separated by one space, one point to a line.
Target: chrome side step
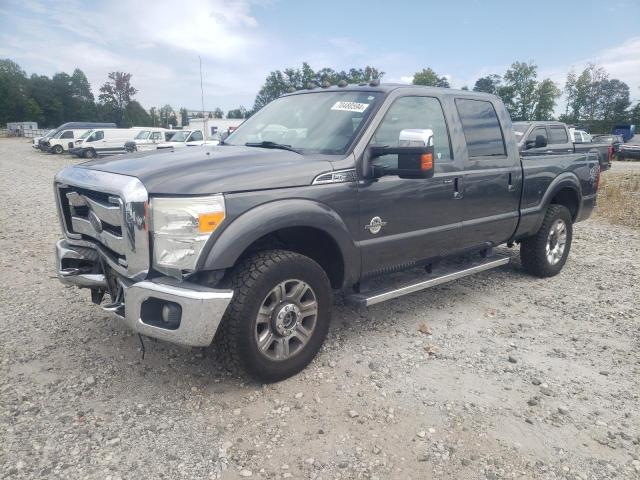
438 276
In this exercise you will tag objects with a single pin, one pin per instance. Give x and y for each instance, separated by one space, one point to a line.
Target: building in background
18 128
213 128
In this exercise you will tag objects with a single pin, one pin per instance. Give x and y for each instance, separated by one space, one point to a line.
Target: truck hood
214 169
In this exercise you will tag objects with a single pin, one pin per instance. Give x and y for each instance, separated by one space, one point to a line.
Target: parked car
248 241
614 140
627 131
186 138
60 142
149 139
103 142
553 138
35 143
71 126
630 150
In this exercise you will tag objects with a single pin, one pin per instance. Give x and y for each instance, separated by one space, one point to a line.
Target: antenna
202 95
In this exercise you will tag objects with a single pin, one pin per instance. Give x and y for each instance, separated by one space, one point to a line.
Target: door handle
457 192
511 187
447 182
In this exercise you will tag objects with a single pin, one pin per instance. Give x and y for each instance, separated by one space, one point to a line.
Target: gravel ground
500 375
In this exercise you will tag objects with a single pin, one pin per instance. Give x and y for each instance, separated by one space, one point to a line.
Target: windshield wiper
267 144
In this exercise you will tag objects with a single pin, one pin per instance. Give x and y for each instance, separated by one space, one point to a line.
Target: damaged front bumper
179 312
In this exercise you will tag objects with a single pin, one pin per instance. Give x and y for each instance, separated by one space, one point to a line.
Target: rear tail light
598 177
610 153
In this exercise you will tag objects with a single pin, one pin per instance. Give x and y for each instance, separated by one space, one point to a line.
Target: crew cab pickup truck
322 191
552 138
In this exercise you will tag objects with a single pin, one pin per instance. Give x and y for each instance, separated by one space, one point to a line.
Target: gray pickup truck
323 191
554 138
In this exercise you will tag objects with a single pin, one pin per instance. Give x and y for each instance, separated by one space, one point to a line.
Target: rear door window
195 137
558 135
481 128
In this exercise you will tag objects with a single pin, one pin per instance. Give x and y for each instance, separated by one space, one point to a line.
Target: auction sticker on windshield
350 106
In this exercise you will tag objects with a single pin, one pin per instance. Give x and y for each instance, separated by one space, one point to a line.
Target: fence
28 133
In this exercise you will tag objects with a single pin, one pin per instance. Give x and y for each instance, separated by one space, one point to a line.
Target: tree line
593 99
51 101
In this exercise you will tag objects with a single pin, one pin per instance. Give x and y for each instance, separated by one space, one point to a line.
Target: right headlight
181 226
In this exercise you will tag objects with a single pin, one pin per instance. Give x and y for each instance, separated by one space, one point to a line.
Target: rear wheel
279 315
545 253
58 149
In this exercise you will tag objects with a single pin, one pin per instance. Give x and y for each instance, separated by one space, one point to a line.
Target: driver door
405 221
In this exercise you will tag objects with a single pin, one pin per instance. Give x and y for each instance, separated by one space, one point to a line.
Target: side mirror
540 142
415 155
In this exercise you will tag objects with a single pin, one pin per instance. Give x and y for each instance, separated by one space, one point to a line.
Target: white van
149 138
60 142
187 138
104 142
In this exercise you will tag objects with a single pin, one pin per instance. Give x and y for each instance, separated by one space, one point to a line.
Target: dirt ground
500 375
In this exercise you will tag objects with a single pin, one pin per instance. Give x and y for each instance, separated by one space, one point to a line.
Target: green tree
135 116
13 86
153 116
570 93
489 84
430 78
165 115
635 114
184 117
519 90
117 93
239 112
613 101
546 95
218 113
280 82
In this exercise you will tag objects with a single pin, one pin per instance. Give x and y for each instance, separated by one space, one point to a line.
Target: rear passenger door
491 181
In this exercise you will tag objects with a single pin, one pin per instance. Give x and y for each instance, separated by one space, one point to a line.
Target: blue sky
241 41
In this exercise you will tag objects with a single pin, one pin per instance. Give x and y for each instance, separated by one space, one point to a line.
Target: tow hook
70 272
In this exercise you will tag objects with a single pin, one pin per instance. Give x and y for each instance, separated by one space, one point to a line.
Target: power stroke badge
375 225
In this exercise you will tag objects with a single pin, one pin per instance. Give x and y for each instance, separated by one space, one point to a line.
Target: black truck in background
322 191
554 138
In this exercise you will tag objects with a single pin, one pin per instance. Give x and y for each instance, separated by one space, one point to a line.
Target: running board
437 277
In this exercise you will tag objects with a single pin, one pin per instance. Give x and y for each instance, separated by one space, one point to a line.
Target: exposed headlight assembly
181 226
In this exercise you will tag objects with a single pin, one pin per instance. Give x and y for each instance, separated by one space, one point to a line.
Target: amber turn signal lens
207 222
426 161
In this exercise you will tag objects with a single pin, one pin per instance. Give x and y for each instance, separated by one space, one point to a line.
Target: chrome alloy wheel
556 241
286 320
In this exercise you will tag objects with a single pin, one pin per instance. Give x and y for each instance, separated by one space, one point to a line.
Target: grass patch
619 199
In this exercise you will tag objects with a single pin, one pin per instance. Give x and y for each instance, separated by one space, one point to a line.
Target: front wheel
91 153
545 253
279 315
57 149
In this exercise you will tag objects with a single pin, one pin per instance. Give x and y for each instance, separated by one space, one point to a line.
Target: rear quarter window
481 128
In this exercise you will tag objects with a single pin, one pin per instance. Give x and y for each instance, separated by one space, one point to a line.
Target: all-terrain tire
252 280
533 250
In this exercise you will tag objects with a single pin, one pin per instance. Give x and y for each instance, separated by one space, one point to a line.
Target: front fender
270 217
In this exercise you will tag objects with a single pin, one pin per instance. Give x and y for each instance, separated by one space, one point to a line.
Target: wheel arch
304 226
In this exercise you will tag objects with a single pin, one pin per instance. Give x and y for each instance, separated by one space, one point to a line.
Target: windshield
180 136
85 135
519 129
319 122
59 134
142 135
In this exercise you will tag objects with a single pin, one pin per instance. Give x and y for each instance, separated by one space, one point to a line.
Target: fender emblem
375 225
